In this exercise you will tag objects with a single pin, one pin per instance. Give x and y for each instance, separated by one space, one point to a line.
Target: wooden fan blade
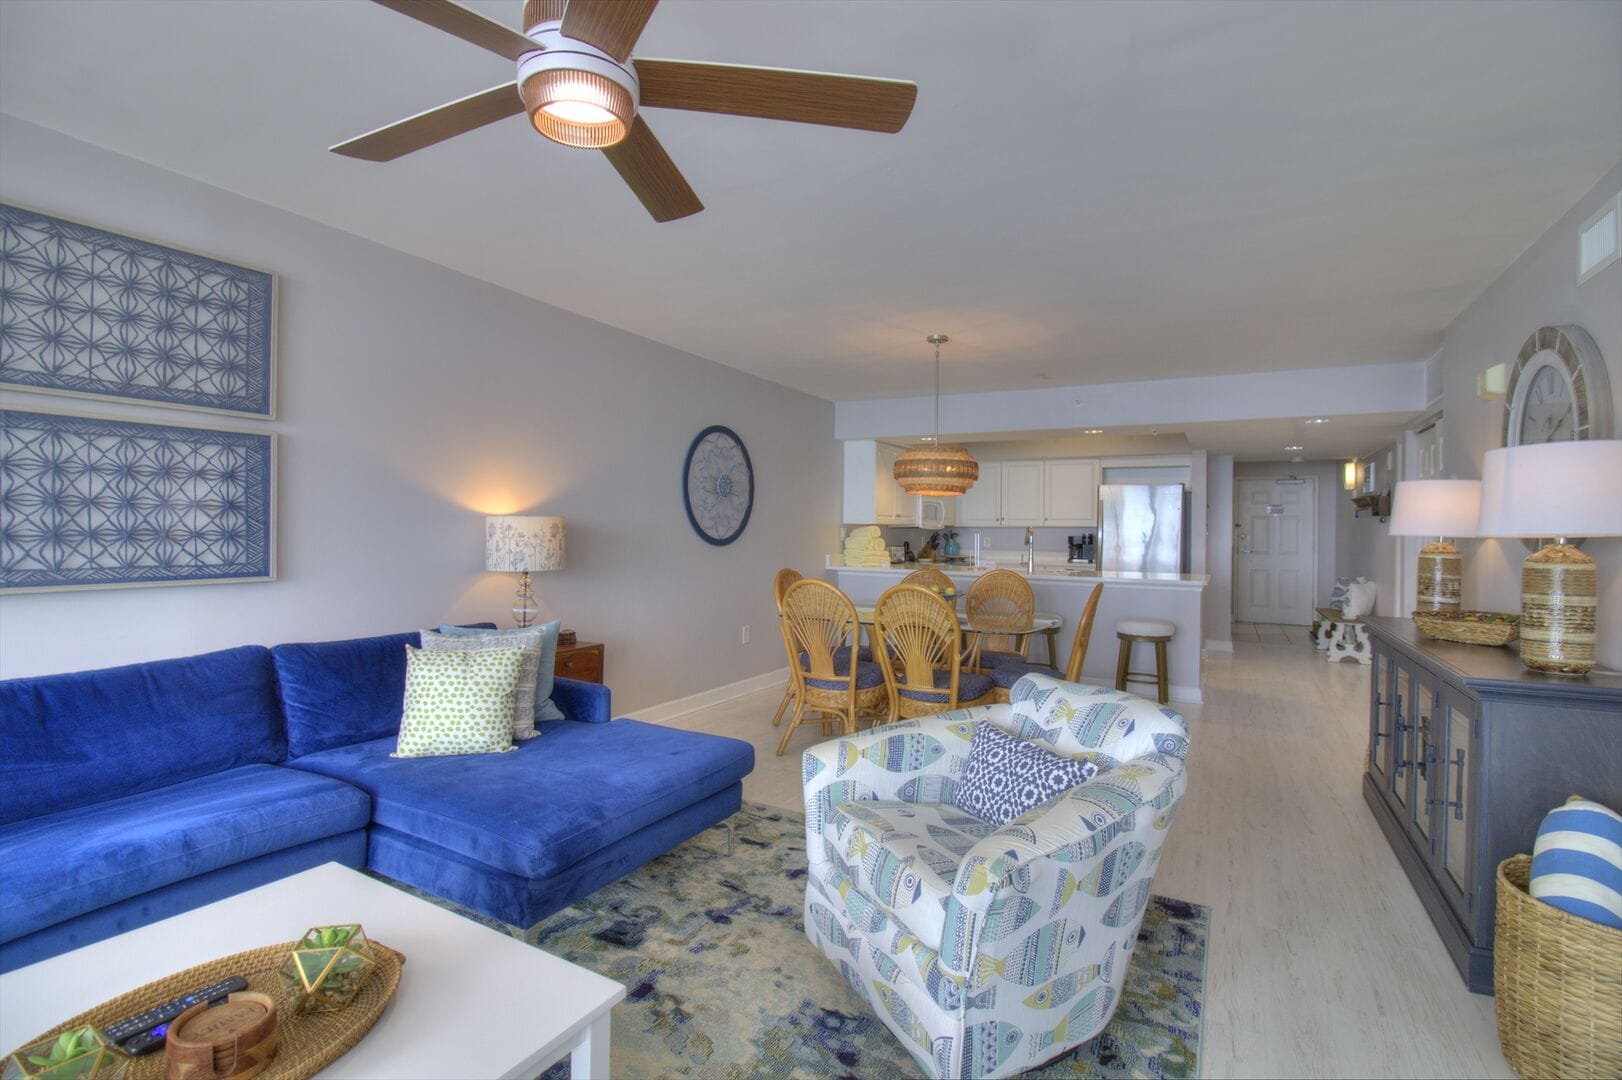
648 171
611 25
470 26
435 125
808 97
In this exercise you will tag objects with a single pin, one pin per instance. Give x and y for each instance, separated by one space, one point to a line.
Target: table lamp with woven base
1439 508
1563 490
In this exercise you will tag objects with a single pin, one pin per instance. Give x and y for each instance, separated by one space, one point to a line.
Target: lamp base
1441 577
1558 590
524 607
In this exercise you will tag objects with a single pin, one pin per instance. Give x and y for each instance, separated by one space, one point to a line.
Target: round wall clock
718 484
1558 389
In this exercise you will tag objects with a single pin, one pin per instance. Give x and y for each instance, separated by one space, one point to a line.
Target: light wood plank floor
1322 961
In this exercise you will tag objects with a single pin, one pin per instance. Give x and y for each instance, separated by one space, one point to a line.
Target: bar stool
1149 630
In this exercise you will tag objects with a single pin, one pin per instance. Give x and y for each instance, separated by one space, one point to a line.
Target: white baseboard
1212 645
670 710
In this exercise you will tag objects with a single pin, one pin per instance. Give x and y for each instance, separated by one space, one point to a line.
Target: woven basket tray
1557 981
1469 627
306 1042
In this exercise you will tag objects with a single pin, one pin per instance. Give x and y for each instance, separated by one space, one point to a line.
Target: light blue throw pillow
544 708
1577 861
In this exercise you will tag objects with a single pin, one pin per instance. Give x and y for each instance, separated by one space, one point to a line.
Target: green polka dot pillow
459 702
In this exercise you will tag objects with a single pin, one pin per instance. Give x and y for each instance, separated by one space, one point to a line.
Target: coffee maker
1084 548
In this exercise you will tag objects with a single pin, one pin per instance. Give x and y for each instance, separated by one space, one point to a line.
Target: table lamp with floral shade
523 544
1567 489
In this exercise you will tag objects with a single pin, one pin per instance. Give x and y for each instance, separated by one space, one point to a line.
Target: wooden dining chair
1005 675
921 631
1002 604
819 634
929 578
785 577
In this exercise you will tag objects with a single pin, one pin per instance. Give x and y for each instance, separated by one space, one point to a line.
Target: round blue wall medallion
718 485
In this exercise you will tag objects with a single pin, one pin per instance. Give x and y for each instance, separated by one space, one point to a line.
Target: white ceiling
1086 192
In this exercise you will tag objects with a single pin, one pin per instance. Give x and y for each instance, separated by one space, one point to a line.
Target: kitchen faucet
1030 551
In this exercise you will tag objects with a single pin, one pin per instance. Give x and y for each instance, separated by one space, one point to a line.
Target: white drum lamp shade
518 544
1560 489
1438 508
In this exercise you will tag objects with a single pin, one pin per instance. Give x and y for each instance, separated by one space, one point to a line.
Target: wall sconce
1349 476
1493 382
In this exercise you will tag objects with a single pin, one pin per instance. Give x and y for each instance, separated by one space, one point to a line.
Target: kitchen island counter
1064 589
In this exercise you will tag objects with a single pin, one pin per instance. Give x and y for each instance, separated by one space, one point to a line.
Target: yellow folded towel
865 530
865 546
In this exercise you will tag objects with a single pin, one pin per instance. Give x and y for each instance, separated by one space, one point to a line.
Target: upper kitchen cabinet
1017 493
1021 493
982 503
872 496
1070 492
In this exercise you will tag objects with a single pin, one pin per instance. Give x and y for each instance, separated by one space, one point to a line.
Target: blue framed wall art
93 503
88 312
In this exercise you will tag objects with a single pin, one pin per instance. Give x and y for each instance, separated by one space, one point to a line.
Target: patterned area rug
723 983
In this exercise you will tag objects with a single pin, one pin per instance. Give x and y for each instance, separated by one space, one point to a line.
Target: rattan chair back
929 578
818 620
920 632
819 623
1084 633
785 577
1001 602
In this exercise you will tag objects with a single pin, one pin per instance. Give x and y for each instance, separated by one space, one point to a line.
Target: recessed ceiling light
1293 448
1092 431
1318 420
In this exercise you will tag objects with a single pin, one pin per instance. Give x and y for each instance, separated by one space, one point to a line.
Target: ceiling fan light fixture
578 108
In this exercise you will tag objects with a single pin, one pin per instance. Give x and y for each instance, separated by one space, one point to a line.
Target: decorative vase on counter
952 550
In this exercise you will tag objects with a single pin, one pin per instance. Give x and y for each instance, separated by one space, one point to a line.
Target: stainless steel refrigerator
1143 527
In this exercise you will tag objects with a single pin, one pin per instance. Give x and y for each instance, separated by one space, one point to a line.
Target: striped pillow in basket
1577 861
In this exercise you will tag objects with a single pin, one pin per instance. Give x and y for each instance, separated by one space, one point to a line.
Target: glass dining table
1045 623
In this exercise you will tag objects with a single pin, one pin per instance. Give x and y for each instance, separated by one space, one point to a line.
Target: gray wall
1218 599
1364 547
413 401
1539 289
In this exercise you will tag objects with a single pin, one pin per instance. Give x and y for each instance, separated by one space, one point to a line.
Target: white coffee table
461 980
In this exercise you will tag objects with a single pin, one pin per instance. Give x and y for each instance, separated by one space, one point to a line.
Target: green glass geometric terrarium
79 1054
326 968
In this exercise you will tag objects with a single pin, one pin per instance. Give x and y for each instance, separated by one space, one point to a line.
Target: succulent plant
68 1045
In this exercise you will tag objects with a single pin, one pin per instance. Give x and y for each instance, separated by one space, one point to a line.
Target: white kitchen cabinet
982 503
872 496
1070 492
1022 493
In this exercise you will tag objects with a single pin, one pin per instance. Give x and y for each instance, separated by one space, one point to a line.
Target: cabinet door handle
1458 804
1424 750
1400 731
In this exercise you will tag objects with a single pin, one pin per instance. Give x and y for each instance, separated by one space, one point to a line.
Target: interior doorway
1275 549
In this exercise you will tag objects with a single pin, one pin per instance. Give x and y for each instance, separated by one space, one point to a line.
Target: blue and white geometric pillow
1577 861
1006 776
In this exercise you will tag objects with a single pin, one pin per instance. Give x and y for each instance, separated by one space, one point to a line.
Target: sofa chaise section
130 794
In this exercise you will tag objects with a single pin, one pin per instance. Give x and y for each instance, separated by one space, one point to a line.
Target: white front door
1274 550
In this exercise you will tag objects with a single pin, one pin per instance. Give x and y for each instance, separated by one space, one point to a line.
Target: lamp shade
515 544
1552 489
1435 508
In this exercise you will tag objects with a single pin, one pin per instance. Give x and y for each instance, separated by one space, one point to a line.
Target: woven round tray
306 1042
1469 627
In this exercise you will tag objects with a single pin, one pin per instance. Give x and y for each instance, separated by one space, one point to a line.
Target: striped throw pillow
1577 861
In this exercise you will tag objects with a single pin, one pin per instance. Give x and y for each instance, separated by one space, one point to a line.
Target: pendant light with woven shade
933 469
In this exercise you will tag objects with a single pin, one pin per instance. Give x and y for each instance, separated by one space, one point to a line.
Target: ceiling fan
580 87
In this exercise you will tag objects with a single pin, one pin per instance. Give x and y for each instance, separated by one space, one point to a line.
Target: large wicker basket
1469 627
1558 981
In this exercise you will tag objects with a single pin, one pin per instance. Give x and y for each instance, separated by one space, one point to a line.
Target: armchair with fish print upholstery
989 951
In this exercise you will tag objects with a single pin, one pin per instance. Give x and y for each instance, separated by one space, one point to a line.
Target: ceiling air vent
1601 237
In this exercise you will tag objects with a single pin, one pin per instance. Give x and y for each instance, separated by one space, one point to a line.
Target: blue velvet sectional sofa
130 794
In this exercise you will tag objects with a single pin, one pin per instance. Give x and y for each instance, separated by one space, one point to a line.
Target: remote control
141 1024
